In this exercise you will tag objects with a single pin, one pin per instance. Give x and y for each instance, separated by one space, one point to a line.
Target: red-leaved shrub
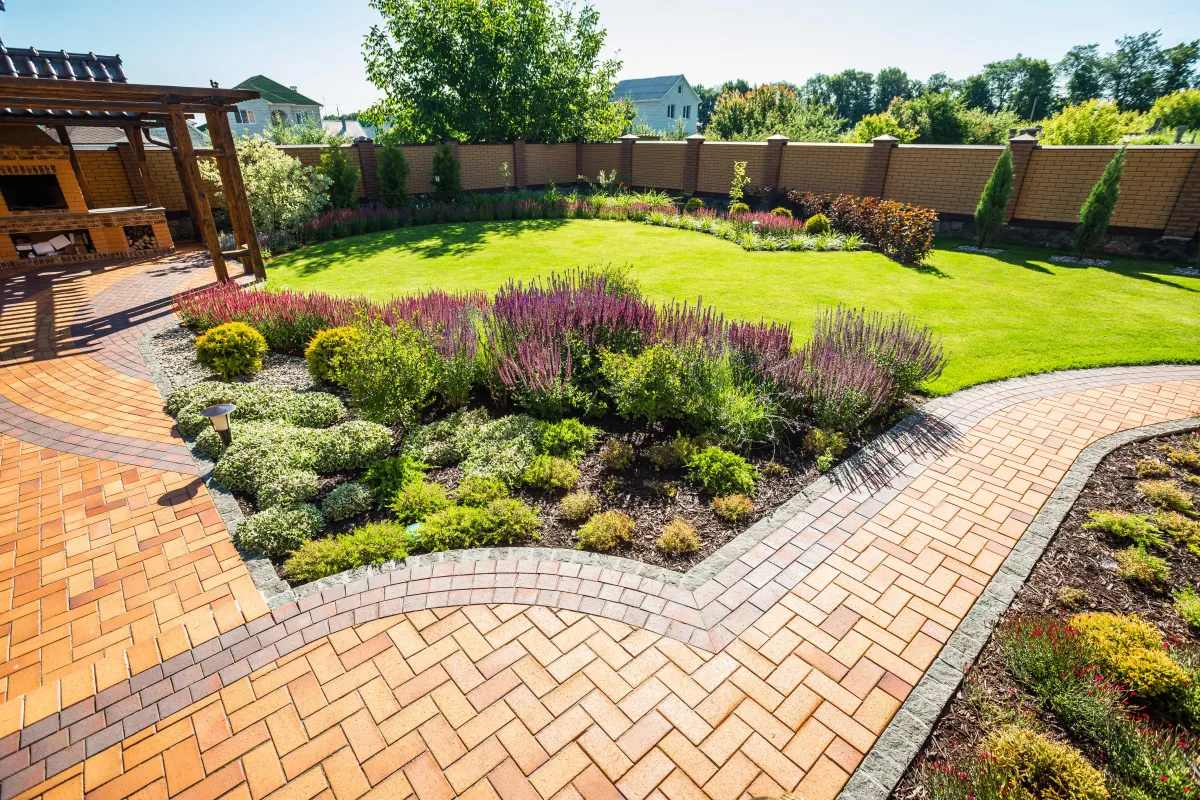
903 231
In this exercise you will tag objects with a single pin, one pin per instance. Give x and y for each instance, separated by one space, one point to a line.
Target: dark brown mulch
1075 558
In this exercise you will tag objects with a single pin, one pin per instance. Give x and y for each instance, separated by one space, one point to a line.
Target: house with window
276 102
662 103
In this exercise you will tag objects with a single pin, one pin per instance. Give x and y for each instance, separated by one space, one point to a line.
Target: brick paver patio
139 660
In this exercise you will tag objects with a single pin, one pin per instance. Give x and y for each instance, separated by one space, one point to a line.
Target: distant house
276 102
349 129
663 102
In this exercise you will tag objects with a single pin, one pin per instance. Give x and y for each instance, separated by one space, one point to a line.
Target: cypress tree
1098 209
989 214
343 178
393 178
446 170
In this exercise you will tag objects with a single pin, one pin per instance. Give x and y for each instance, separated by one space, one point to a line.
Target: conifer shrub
733 507
1129 650
393 178
232 350
578 506
1097 210
419 500
605 531
989 214
447 172
327 352
679 538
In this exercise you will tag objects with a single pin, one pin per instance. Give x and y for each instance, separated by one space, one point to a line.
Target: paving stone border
911 728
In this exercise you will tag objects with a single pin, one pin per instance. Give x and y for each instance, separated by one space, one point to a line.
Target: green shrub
254 403
388 476
1182 529
232 350
259 457
393 178
605 531
372 544
1130 650
447 181
1187 603
578 506
1134 527
347 500
695 203
501 523
816 225
1072 597
209 443
327 352
1180 108
287 487
1097 210
392 374
1186 457
679 538
569 439
1038 768
316 559
1152 468
616 454
419 500
350 446
650 386
672 454
280 530
1136 565
733 507
448 441
720 472
1167 495
550 473
503 448
781 212
1091 122
510 521
989 214
733 411
479 490
739 208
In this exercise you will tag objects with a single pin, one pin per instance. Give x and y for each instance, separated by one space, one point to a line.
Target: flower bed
900 230
1098 660
569 411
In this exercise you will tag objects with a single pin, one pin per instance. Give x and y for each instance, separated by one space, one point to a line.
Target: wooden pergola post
193 187
64 138
134 134
234 189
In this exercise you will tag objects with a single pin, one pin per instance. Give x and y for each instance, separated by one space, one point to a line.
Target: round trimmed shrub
347 500
578 506
351 446
551 473
569 439
693 204
720 472
287 487
417 501
1035 766
733 507
739 208
605 531
780 211
479 490
232 350
679 538
279 530
616 454
327 352
817 224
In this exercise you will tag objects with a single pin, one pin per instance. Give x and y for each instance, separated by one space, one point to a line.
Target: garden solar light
219 417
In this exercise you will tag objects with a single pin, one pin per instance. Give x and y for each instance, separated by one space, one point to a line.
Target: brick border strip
911 728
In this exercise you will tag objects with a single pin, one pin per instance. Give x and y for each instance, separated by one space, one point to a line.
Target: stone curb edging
911 728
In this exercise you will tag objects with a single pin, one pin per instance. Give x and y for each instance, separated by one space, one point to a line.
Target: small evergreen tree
989 214
1098 208
393 178
343 178
447 182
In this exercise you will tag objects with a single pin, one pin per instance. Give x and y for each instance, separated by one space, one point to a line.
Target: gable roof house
275 101
662 102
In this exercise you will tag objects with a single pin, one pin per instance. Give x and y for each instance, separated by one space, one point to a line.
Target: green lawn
1000 316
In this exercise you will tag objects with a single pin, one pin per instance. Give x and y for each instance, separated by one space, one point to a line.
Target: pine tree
343 178
989 214
1098 209
393 178
447 185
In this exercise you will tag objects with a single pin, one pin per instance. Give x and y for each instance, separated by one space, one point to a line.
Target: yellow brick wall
824 168
420 168
601 156
109 240
659 165
945 178
106 180
716 164
480 165
550 162
1060 178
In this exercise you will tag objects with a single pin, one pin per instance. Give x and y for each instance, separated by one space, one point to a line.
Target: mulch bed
1077 558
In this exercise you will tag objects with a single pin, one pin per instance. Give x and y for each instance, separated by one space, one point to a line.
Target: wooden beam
39 103
134 135
188 199
64 138
236 199
193 185
136 92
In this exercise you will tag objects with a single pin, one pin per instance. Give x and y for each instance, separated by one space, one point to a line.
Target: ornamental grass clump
232 350
605 531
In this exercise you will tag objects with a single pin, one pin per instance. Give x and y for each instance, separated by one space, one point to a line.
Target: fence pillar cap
778 137
885 139
1024 137
696 137
629 137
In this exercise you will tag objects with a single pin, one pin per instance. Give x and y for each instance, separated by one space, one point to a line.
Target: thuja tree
490 71
393 178
447 181
989 214
1098 208
342 177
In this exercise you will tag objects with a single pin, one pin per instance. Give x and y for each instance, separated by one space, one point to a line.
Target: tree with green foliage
939 82
709 94
771 109
818 90
1133 71
890 83
976 93
989 128
1179 108
1098 208
1179 67
873 125
1092 122
447 172
283 193
989 214
937 118
393 178
1082 71
1025 85
342 177
854 94
489 70
281 131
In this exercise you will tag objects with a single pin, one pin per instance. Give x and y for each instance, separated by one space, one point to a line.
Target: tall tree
937 118
771 109
1179 67
1133 71
1023 84
818 90
708 97
490 70
890 83
1082 73
977 94
853 91
938 82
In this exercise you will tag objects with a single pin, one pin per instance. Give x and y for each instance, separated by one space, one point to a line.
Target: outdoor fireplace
32 193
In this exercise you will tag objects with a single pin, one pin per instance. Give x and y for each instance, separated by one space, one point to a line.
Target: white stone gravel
174 347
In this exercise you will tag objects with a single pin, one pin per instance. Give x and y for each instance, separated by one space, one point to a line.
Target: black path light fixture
219 417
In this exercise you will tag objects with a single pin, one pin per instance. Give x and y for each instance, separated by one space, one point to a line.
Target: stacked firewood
140 237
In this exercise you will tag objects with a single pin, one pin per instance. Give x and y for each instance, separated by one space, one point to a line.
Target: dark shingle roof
98 135
645 88
274 92
59 65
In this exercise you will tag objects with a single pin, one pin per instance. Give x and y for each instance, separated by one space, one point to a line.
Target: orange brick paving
503 699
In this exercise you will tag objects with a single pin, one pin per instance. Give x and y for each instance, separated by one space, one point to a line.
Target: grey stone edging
910 729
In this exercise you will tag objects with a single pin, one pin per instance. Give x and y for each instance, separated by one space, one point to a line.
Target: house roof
640 89
274 92
34 64
349 128
91 134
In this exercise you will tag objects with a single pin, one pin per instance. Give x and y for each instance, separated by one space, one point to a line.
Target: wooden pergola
135 107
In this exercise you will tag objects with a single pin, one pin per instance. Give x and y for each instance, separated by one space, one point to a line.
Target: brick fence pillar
691 163
368 162
774 160
877 167
625 165
1022 148
518 171
1185 216
133 173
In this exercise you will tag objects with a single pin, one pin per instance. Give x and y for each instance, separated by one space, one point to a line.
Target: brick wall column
691 163
368 160
877 167
774 160
1185 217
625 165
133 173
518 163
1022 148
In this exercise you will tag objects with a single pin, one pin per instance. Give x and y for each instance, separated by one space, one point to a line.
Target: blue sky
316 44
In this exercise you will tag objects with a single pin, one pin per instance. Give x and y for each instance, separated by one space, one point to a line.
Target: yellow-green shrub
678 537
816 225
327 352
1039 768
231 350
1129 650
1134 564
605 531
578 505
1152 468
1168 495
733 507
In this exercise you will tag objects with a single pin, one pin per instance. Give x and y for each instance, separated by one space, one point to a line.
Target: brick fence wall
1159 196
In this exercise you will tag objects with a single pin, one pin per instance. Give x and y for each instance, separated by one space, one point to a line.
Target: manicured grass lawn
1000 316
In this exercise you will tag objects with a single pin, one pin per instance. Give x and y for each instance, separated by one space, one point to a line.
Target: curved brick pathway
776 669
